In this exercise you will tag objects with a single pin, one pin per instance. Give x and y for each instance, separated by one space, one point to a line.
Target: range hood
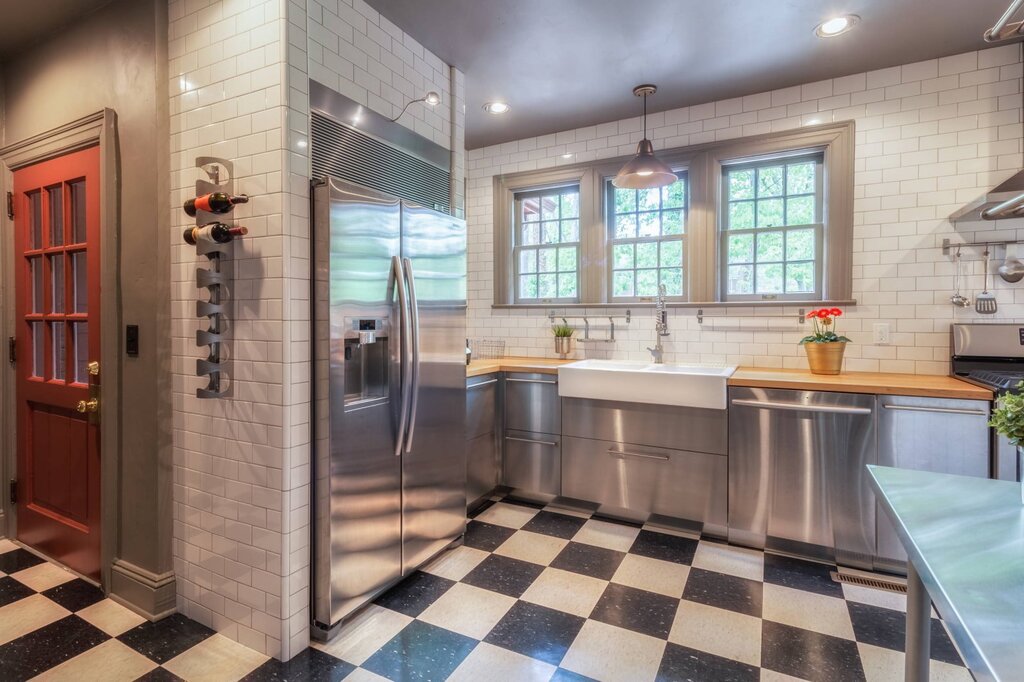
1005 200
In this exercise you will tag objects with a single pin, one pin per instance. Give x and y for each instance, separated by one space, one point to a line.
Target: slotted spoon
985 302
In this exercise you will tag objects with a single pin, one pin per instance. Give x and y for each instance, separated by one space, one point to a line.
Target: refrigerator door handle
414 315
396 281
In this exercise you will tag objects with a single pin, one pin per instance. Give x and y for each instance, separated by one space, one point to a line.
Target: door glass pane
35 220
78 211
57 282
81 282
81 341
38 342
59 339
56 199
35 276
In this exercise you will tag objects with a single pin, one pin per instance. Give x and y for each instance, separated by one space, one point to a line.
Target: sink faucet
660 326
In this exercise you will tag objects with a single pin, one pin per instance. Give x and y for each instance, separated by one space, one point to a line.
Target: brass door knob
91 405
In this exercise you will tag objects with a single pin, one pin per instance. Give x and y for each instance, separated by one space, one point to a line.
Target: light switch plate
880 333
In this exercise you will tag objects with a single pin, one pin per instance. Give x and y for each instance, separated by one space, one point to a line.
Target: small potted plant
824 347
563 337
1008 420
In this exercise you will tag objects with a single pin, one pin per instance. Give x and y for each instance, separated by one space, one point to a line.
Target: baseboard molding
151 595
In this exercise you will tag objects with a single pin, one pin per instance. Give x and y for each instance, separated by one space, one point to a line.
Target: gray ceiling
24 22
568 63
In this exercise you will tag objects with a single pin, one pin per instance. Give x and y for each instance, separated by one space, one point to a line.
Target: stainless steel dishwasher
797 478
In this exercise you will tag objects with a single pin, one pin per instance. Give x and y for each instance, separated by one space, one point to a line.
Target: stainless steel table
965 540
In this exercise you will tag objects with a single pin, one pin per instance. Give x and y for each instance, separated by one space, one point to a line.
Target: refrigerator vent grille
348 154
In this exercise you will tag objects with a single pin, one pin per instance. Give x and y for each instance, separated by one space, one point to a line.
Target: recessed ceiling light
496 107
836 26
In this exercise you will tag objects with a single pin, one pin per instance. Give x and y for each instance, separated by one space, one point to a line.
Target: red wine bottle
215 202
214 232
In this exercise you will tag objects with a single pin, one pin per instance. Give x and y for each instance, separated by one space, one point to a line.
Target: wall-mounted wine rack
214 280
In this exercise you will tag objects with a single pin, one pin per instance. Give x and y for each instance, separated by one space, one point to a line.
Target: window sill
675 304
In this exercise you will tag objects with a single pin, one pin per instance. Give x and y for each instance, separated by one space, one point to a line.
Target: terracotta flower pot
825 358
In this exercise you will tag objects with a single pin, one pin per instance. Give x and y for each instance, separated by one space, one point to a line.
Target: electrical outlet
881 333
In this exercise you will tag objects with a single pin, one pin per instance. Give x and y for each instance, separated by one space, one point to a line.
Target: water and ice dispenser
366 361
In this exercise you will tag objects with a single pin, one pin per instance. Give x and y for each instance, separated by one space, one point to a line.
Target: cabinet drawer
481 403
532 403
644 480
483 466
533 462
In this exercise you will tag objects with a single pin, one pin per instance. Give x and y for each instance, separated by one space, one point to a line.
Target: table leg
919 622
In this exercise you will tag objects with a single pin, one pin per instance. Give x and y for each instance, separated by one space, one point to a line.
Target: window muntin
546 253
772 230
647 240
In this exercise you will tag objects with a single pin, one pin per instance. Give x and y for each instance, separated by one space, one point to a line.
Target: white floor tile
508 515
43 576
533 547
807 610
565 591
611 654
111 617
215 659
653 575
738 561
468 610
884 665
718 631
111 661
360 638
28 614
614 536
456 563
488 662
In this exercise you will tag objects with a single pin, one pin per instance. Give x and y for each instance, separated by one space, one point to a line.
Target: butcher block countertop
920 385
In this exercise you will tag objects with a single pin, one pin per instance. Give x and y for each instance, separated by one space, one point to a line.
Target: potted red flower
824 347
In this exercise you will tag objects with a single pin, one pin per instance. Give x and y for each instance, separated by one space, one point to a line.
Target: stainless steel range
992 355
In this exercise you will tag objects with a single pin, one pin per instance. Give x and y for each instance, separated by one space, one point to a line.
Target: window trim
703 164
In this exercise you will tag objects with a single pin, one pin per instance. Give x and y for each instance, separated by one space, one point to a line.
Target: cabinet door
928 434
533 463
532 403
481 403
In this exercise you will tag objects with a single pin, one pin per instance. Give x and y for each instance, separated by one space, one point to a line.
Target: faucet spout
660 326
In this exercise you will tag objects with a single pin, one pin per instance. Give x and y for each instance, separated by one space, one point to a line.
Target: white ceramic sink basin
645 382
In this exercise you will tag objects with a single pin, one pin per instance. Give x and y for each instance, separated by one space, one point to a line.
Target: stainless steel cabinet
797 477
483 453
532 402
637 481
928 434
533 463
665 426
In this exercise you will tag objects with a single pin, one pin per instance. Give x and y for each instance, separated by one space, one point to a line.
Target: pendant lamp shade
644 170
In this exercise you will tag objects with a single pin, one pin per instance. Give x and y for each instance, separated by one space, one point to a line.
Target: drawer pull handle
799 407
943 410
482 383
622 455
531 440
531 381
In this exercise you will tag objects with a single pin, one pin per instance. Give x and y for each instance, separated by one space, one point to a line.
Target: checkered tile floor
534 594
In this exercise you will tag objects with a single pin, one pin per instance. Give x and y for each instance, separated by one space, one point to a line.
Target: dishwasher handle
943 410
799 407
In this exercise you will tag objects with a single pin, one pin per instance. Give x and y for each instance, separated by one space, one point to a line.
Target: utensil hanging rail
552 316
1003 29
948 246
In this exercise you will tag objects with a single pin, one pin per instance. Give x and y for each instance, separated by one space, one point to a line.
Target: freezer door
357 476
434 457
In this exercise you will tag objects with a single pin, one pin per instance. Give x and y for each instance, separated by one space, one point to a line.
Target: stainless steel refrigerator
389 329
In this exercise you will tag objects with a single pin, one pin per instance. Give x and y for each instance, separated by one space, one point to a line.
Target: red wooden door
56 223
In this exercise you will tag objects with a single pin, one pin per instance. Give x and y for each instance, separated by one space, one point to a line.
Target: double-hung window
647 239
772 229
546 252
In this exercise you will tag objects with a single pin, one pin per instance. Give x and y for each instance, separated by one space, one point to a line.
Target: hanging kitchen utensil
958 299
985 303
1012 270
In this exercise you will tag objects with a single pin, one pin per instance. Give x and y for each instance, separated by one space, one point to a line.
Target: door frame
98 128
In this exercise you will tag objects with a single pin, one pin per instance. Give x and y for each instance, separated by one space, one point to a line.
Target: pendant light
644 170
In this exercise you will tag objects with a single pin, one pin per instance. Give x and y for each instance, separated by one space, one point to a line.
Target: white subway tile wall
930 137
238 89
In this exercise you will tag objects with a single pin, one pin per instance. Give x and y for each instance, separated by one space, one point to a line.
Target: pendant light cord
645 115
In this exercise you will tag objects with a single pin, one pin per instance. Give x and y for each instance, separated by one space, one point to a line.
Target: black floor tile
51 645
887 628
486 536
504 575
563 675
681 664
724 591
159 675
18 560
413 595
801 575
420 652
665 547
638 610
309 666
597 562
11 591
519 502
163 640
809 655
536 631
484 506
554 524
75 595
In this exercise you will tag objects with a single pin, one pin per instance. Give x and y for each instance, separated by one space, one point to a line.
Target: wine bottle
214 232
215 202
